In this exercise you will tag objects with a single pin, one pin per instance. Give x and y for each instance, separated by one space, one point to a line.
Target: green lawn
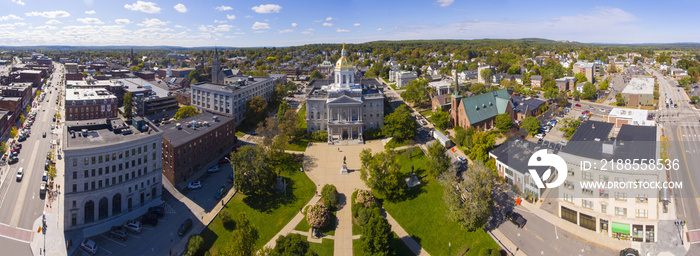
325 248
423 215
427 113
400 247
393 143
356 229
298 144
412 156
269 214
393 85
302 118
240 133
303 226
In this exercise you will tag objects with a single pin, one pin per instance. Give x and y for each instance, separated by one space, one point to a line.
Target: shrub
193 244
371 134
318 216
319 136
365 198
330 196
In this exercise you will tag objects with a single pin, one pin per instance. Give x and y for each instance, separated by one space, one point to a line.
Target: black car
21 138
629 252
230 178
517 219
158 210
185 227
13 160
150 219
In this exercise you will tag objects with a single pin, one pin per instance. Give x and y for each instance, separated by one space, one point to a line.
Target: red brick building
480 111
86 104
193 144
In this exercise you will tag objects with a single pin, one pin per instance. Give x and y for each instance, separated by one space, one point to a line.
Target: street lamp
679 225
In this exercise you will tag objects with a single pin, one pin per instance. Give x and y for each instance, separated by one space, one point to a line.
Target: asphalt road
21 203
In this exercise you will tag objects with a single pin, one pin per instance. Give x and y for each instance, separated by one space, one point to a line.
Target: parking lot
555 135
157 240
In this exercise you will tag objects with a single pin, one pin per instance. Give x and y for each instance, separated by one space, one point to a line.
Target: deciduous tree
562 99
292 244
330 196
417 92
253 173
589 91
255 111
438 161
128 105
441 119
504 122
531 125
486 74
376 237
469 202
185 112
243 239
482 143
580 78
381 173
400 124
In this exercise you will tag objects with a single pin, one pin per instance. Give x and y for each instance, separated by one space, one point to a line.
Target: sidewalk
506 243
586 235
289 228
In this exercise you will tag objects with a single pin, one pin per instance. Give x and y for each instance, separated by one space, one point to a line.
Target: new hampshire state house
345 106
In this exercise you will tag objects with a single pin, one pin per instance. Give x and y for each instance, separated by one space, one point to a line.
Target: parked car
20 174
230 178
133 226
462 159
194 185
18 146
539 136
43 134
21 138
603 110
213 169
118 232
578 105
89 246
220 193
517 219
545 143
12 160
185 227
150 219
42 188
158 210
629 252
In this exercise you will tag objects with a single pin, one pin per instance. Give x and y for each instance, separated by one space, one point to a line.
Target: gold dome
343 63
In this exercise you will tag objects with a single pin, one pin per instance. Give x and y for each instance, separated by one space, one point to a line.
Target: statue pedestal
344 169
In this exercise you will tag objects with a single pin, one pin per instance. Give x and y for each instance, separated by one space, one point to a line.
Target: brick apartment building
93 103
191 144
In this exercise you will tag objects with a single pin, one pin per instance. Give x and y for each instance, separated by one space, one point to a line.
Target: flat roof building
639 91
92 103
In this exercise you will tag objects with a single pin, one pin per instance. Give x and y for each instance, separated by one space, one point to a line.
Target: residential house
526 107
535 81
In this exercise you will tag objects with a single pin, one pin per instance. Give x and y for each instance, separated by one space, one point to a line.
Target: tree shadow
342 201
266 202
208 237
503 204
310 162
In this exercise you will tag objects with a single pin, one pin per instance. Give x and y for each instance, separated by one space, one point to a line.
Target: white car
89 246
133 226
539 136
603 110
20 174
214 168
462 159
195 185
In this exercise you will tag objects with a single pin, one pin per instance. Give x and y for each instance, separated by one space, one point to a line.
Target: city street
20 202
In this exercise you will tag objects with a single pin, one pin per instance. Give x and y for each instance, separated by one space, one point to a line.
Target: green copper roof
486 105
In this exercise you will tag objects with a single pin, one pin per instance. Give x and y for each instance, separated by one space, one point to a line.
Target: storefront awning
621 228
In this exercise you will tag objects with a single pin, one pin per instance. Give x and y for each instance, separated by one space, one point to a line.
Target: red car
578 105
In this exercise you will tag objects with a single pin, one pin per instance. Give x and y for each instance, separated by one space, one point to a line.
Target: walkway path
322 164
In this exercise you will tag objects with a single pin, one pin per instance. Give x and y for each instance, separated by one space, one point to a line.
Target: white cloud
260 25
327 24
51 15
122 21
152 23
267 8
342 30
19 2
356 24
90 20
178 26
212 28
220 21
248 16
90 12
147 7
330 19
10 17
259 31
444 3
379 29
294 25
286 31
230 16
223 8
53 22
45 28
180 8
307 32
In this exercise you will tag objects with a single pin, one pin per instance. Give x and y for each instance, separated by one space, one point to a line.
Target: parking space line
135 236
102 248
113 240
146 228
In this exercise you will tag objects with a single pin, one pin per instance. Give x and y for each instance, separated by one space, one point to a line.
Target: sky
257 23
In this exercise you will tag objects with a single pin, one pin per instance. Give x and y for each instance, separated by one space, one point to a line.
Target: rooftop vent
216 118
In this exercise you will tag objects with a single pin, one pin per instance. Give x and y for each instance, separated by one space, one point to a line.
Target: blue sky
284 23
